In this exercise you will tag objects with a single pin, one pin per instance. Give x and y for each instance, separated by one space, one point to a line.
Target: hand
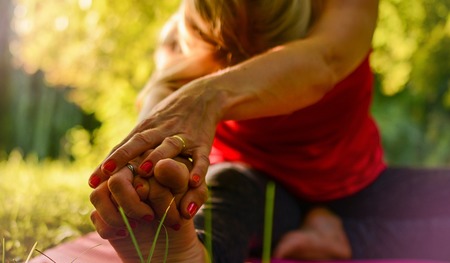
143 199
170 180
107 219
182 124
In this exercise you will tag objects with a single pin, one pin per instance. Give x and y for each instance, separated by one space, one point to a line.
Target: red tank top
325 151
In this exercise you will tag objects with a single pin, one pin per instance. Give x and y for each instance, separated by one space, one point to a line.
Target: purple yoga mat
350 261
93 249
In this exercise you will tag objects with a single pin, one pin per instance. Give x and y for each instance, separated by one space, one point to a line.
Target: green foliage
103 48
41 202
396 39
411 57
38 117
406 29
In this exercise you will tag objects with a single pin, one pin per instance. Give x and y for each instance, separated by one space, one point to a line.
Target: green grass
46 202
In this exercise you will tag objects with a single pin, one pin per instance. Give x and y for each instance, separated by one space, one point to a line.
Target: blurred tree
5 11
103 48
412 58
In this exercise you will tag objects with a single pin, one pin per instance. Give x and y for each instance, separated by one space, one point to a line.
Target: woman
265 90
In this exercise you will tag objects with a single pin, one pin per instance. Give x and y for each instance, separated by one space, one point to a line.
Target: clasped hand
178 130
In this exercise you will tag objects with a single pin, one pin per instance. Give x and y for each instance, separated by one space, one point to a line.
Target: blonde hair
227 32
243 28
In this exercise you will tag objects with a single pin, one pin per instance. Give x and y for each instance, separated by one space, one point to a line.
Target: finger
160 199
105 207
169 148
173 175
121 187
192 200
97 177
141 186
135 146
200 168
106 231
188 161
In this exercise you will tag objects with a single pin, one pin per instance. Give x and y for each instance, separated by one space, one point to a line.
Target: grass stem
3 249
208 228
133 237
31 252
157 233
43 254
268 222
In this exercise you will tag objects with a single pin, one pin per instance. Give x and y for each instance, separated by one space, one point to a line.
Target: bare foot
321 237
170 180
184 246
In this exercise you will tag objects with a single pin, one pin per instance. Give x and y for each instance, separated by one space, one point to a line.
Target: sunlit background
70 71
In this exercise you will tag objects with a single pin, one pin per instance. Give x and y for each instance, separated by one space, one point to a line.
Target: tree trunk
5 69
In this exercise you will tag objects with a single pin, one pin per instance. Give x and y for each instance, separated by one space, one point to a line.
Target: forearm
300 73
150 98
278 82
292 76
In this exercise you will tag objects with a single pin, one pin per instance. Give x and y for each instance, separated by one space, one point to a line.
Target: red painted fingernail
121 233
110 166
192 209
148 218
94 181
147 166
138 186
196 178
176 227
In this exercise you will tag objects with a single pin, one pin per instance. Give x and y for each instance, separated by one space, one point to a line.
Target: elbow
329 79
325 82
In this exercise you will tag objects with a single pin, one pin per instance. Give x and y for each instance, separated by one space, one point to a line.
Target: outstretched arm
282 80
295 75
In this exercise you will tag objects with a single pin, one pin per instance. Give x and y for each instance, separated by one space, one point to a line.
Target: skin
182 105
320 237
170 181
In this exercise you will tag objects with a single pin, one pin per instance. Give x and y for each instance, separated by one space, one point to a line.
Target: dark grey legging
405 214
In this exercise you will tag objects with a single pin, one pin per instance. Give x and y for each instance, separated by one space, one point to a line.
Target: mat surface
91 248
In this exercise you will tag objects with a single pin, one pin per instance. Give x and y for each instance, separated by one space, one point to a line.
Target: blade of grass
268 222
31 252
133 237
152 249
166 253
42 253
3 249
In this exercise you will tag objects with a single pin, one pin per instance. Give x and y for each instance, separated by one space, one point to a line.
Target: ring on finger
189 158
183 143
132 169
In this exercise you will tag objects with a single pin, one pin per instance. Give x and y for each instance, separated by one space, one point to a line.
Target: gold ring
132 169
181 140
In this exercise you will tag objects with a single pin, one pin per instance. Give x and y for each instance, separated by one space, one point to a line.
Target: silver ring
183 143
132 169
